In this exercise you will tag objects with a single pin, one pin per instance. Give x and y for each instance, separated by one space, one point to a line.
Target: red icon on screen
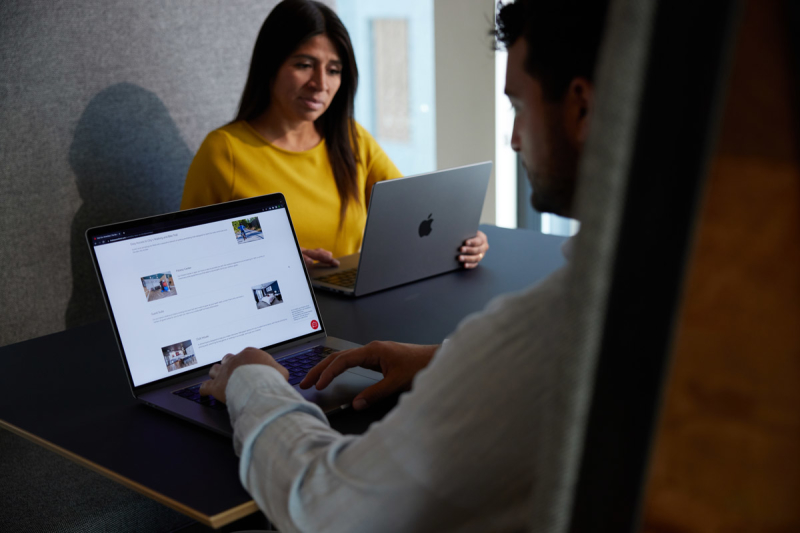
314 324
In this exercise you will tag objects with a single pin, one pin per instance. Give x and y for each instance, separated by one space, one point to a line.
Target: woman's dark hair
289 25
563 38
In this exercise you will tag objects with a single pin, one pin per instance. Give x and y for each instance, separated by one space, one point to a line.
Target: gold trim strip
216 521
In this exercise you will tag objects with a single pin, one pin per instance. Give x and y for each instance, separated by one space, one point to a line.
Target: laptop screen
187 288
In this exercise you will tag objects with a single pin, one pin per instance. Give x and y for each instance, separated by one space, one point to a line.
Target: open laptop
184 289
415 226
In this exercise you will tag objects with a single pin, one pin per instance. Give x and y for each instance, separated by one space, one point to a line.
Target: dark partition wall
657 183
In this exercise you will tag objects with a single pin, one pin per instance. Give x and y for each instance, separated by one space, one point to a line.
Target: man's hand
473 250
221 372
324 257
398 363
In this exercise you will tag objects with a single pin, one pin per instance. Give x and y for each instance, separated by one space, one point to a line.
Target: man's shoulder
515 317
534 299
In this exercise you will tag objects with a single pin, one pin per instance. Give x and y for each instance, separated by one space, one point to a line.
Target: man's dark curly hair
563 38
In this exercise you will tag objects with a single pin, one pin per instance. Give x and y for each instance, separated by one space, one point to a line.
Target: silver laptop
415 227
184 289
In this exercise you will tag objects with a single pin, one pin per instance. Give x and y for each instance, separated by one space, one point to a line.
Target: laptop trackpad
339 393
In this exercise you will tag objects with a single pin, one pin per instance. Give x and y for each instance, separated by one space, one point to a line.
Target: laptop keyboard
193 393
298 366
345 278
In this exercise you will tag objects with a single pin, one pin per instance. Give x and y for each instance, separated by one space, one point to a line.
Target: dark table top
68 392
426 311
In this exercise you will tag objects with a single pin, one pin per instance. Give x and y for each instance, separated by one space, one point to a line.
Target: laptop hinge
192 375
279 351
200 373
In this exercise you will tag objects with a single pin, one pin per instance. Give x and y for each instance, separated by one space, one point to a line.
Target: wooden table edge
216 521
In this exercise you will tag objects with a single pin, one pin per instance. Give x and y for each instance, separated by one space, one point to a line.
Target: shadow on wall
129 161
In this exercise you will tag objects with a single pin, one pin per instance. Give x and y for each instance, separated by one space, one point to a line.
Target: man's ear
578 107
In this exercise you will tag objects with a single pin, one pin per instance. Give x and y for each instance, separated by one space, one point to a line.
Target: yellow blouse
236 162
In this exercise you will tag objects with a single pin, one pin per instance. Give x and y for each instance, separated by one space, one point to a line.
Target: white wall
465 87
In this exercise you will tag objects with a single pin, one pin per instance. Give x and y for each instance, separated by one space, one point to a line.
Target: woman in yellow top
295 133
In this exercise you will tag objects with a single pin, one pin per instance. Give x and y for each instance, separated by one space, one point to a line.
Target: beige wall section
465 114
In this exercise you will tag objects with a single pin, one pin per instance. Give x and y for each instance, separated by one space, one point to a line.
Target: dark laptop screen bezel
131 229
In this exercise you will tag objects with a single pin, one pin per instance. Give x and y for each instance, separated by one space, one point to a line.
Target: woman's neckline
279 148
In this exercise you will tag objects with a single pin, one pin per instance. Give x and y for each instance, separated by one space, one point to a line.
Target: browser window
183 297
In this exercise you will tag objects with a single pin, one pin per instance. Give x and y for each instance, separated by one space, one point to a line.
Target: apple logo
425 226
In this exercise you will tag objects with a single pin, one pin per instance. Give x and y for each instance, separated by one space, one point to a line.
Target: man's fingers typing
340 363
314 373
375 393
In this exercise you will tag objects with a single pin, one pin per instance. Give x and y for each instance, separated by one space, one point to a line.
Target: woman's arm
210 177
377 164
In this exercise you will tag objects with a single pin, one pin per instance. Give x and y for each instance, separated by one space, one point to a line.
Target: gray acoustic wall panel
102 106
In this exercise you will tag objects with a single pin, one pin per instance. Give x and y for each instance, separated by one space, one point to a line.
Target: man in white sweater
458 451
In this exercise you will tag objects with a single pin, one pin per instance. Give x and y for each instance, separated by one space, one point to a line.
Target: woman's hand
473 250
324 257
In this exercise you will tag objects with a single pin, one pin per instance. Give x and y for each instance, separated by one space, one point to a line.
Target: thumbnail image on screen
180 355
267 295
247 230
158 286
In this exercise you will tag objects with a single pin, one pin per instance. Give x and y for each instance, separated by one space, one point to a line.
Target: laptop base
337 396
